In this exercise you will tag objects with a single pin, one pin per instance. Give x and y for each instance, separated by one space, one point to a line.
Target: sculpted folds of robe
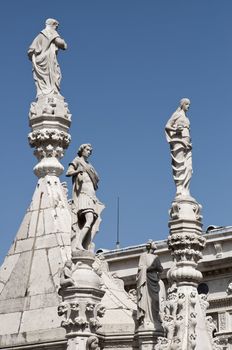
46 70
148 290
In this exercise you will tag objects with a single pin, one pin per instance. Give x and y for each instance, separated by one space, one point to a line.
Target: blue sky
128 64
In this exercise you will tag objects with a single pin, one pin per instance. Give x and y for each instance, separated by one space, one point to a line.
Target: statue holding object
42 52
178 136
85 208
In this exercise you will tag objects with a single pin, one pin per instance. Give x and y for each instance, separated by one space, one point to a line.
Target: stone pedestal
185 319
81 307
49 119
147 339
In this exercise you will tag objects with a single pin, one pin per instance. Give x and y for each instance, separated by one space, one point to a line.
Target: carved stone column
81 307
185 320
186 244
49 119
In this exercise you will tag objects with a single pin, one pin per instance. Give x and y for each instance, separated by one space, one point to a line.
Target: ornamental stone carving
81 316
81 308
92 343
49 148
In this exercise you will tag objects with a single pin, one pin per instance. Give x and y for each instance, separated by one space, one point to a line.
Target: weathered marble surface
178 136
42 52
30 272
86 208
148 312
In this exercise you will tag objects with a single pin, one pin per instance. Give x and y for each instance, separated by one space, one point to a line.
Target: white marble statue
178 136
86 208
42 53
148 308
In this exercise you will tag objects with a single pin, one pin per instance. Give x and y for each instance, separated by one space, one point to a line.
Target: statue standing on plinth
86 208
49 116
148 289
42 52
178 136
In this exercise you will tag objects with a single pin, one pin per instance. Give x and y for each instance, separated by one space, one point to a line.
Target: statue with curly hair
85 208
178 136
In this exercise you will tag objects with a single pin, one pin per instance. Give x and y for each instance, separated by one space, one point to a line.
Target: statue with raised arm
42 53
178 136
148 288
85 208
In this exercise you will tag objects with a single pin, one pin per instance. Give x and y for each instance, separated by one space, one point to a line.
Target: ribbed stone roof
29 276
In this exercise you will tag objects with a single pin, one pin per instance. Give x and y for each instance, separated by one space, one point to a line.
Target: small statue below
85 208
178 136
66 279
42 53
148 308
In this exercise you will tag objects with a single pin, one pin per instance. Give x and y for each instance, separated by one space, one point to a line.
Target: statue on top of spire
178 136
42 52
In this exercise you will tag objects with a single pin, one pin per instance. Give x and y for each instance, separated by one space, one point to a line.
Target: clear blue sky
127 65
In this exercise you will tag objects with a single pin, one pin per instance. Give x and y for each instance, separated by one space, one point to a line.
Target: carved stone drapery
43 54
184 317
49 115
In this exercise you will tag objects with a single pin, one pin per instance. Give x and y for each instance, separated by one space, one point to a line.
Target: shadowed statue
148 288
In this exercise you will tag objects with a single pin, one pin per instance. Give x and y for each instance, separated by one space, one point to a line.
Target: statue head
151 246
52 23
68 264
85 150
185 104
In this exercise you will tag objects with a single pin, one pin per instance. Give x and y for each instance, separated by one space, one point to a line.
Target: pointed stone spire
29 276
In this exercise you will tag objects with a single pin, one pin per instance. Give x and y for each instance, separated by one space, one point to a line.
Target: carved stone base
49 107
183 321
147 339
81 307
49 119
86 341
185 240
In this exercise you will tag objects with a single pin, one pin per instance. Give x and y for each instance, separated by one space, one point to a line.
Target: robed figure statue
148 288
42 52
178 136
85 207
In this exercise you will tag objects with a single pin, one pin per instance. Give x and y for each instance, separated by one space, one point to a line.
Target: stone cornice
220 303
